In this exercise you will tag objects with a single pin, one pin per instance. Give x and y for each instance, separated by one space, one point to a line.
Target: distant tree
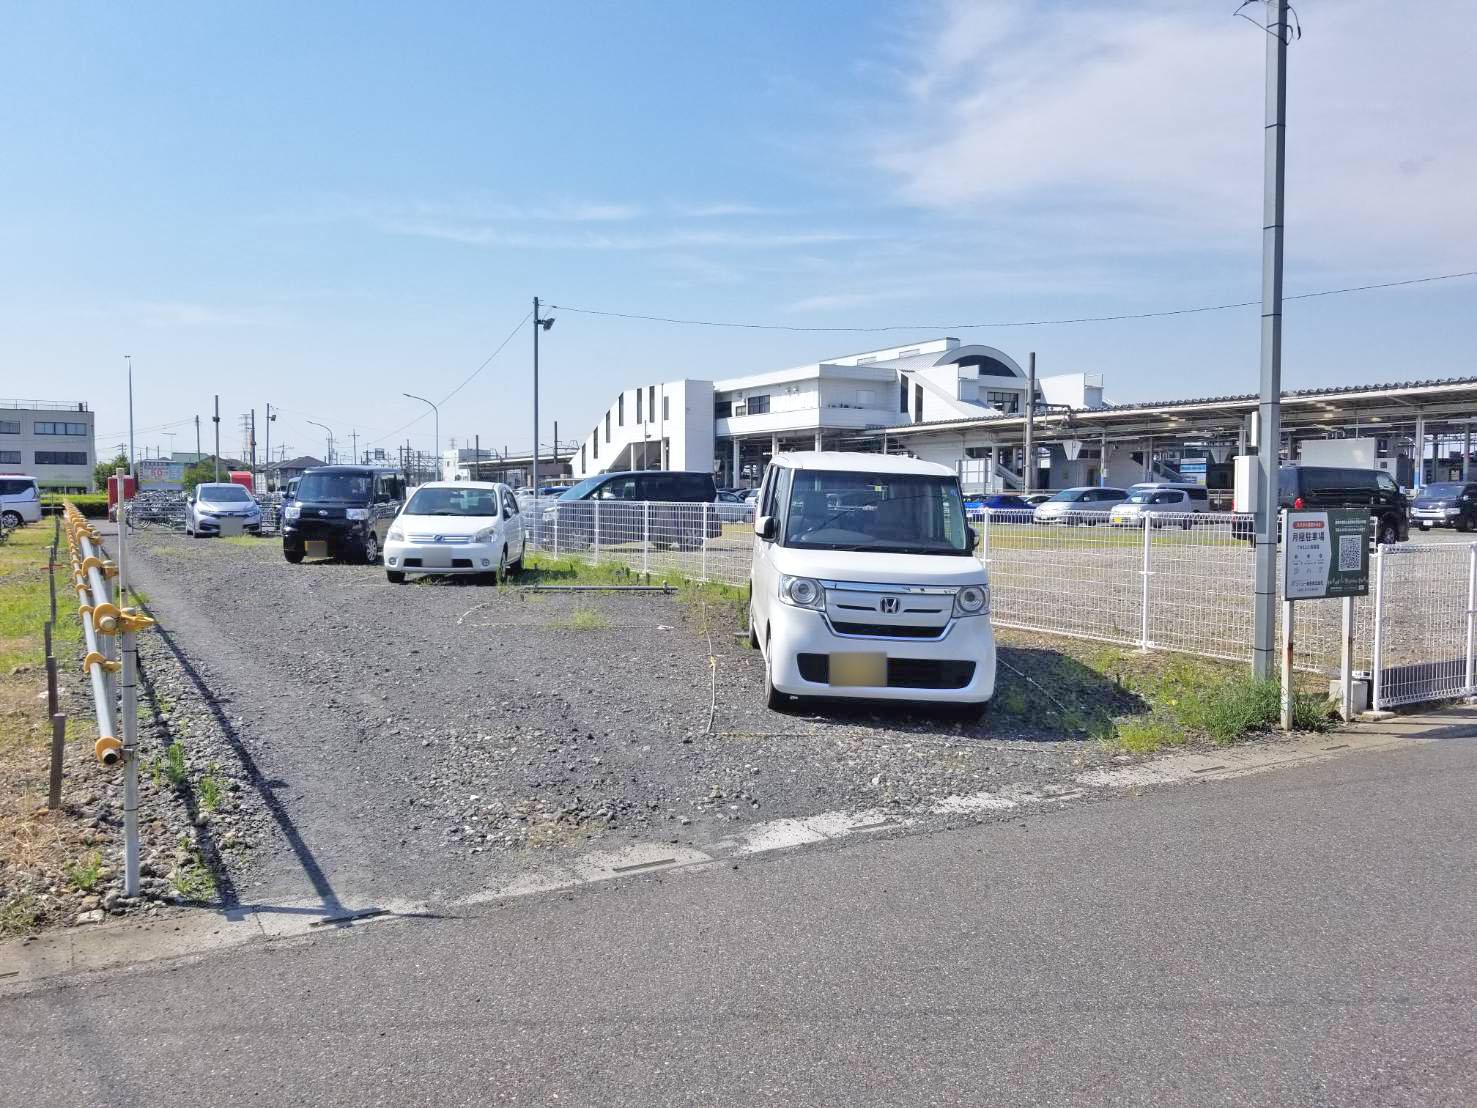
202 471
103 470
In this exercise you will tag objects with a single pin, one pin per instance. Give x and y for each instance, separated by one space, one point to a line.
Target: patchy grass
586 619
246 539
212 789
192 878
86 872
725 605
20 915
169 766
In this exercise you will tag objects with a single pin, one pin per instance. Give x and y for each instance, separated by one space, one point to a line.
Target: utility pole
217 419
545 324
253 450
268 475
1269 409
132 472
197 439
1030 466
354 439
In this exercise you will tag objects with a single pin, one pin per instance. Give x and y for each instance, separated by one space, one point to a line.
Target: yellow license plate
859 669
317 548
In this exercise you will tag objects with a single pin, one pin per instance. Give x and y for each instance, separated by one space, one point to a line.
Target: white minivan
20 500
864 583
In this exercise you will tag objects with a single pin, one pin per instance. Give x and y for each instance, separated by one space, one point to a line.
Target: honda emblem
889 605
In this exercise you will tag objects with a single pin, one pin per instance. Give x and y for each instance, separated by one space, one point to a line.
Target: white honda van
20 500
864 583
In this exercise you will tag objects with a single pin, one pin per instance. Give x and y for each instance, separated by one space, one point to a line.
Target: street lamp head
547 323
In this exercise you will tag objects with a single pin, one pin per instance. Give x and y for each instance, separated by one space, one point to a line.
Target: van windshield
453 502
1140 496
1444 489
351 488
223 494
882 512
1068 496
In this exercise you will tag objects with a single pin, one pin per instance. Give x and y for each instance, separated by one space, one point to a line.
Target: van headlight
291 512
972 600
484 535
356 513
802 592
395 536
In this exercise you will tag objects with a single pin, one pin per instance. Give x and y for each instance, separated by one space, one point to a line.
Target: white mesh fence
1423 640
1167 582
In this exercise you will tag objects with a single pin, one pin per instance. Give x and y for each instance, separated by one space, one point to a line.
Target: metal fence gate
1423 645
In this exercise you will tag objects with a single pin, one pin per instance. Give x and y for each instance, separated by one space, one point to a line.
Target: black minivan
341 512
1445 504
627 506
1310 488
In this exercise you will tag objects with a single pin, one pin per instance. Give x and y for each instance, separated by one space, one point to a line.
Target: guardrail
110 629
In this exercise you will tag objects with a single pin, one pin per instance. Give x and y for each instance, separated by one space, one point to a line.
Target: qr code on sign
1350 549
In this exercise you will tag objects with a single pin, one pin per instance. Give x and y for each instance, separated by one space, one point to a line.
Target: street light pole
538 324
329 429
1269 409
217 420
131 471
437 413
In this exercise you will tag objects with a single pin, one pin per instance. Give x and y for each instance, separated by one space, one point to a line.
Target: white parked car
864 583
1084 504
1164 504
20 500
473 527
213 502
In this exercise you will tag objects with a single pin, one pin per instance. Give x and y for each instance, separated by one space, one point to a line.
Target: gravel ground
427 740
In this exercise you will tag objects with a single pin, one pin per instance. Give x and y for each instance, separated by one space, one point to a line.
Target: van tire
11 520
395 576
1387 534
293 556
774 700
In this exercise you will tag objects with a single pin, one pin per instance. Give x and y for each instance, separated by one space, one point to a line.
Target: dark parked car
1445 504
670 506
1314 488
998 502
341 512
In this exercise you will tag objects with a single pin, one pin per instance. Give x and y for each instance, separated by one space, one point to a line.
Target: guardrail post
1468 680
702 537
595 546
985 537
1146 573
1377 663
646 536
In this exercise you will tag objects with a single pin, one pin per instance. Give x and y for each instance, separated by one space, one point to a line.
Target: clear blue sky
321 206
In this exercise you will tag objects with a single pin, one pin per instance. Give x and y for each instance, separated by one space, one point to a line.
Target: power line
1009 323
485 363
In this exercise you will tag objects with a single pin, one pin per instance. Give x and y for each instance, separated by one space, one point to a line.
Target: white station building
732 426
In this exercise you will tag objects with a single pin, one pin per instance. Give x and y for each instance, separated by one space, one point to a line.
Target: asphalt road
1299 938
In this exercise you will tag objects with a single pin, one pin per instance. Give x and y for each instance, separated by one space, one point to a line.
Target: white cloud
478 233
1144 119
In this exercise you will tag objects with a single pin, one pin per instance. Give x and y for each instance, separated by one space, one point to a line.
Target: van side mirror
974 537
766 527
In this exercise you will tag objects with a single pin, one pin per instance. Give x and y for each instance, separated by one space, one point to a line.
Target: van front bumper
440 557
958 668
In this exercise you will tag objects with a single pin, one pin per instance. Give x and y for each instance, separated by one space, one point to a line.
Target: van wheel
395 576
753 635
774 700
1387 534
371 549
293 556
11 520
1463 524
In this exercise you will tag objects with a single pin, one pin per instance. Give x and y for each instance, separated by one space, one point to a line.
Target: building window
582 458
866 397
902 395
666 407
1005 401
620 410
59 428
10 457
917 403
651 401
639 420
8 427
61 457
908 353
722 409
595 446
607 426
759 405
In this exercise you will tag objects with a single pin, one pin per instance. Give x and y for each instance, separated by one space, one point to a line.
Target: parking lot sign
1325 554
